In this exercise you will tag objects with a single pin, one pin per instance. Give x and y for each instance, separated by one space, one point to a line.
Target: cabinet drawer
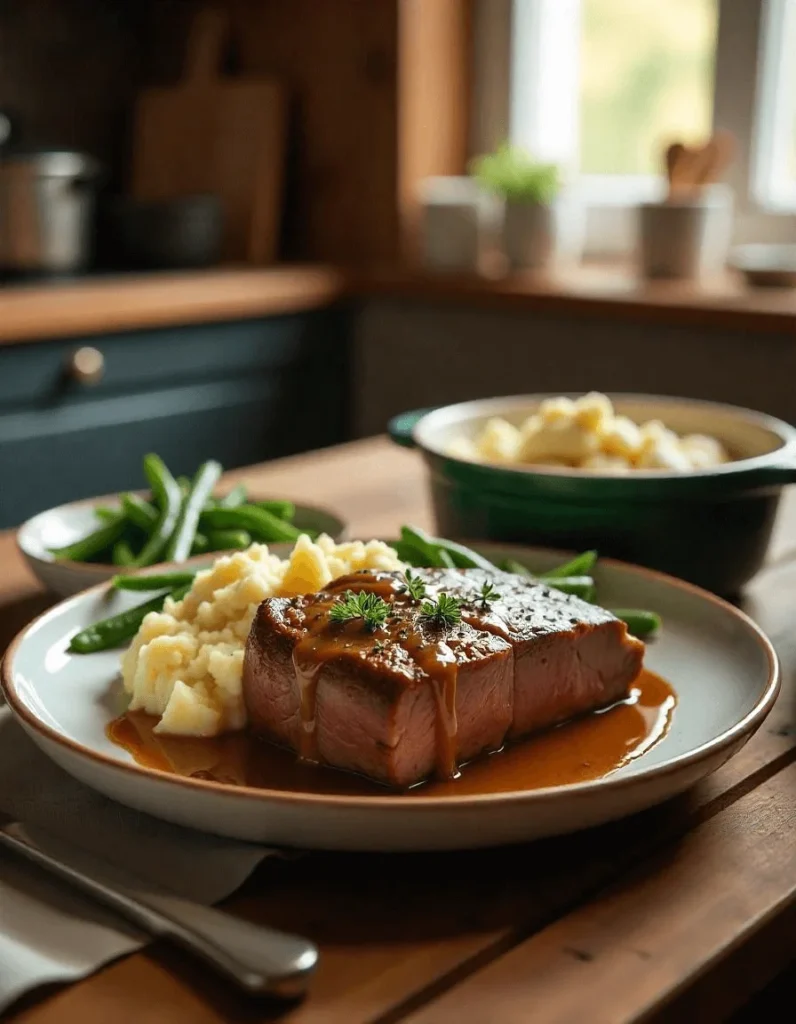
37 374
81 451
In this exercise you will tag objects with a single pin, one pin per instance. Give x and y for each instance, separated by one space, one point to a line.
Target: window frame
747 78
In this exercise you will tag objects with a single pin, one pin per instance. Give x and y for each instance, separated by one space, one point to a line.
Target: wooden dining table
683 912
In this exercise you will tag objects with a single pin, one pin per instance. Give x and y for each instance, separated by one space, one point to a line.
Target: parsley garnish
367 606
487 594
445 611
413 586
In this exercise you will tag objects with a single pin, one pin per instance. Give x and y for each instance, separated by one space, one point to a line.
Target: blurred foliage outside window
646 80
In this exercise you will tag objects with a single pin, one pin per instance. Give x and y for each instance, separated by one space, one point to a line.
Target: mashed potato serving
185 664
588 434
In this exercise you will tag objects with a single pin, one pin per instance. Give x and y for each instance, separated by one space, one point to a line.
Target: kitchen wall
338 61
412 354
377 96
70 69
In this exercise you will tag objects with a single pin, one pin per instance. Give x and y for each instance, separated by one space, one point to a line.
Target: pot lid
50 162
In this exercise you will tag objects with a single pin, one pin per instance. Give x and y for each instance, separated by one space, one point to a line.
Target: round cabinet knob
87 366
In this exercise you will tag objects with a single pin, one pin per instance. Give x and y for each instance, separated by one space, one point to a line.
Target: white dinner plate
723 668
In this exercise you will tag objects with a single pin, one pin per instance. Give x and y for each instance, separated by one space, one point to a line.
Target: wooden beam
434 92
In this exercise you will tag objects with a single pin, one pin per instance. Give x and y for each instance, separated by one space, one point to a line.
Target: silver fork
260 960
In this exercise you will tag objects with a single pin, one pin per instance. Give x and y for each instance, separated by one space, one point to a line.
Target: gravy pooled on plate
592 747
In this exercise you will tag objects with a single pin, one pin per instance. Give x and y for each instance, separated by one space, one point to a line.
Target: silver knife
260 960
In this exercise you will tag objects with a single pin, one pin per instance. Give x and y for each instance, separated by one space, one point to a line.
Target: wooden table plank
402 935
633 948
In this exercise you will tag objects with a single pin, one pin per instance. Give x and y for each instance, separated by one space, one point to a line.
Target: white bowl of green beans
177 520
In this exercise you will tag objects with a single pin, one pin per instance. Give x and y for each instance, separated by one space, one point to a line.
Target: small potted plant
537 225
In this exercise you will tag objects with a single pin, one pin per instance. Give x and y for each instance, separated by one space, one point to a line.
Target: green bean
154 581
412 556
117 630
581 565
462 557
639 622
228 540
167 496
237 496
179 545
89 547
510 565
139 512
123 553
106 514
281 509
580 586
466 558
262 525
200 544
426 550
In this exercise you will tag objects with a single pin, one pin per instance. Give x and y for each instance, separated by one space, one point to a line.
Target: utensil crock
711 527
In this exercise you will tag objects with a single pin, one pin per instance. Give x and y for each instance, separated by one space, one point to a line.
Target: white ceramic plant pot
459 223
539 237
686 238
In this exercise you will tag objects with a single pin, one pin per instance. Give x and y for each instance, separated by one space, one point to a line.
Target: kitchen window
774 167
601 86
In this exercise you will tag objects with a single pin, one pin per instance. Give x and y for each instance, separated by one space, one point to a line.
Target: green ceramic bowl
711 527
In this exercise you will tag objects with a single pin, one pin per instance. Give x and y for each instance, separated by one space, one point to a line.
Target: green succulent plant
512 173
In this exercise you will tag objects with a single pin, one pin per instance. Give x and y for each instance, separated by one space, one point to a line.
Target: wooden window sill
605 292
94 305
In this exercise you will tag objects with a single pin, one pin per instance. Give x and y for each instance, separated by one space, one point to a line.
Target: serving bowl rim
100 570
784 455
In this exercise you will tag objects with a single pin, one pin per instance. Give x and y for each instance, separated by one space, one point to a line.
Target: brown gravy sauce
429 649
589 748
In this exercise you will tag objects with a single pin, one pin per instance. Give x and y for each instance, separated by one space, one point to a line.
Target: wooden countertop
93 305
687 908
131 302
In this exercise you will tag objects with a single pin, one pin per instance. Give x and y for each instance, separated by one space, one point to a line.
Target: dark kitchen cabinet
239 392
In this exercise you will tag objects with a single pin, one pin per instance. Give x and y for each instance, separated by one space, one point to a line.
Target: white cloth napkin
47 931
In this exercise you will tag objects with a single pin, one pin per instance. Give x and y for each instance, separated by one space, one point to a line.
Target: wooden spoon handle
682 177
718 155
672 158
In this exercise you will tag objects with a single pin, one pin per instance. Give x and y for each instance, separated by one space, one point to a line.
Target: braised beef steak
394 704
408 698
570 656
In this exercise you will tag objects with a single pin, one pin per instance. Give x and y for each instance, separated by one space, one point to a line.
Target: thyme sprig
366 606
487 595
445 611
413 586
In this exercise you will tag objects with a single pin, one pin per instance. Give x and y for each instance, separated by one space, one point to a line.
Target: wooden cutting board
211 133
